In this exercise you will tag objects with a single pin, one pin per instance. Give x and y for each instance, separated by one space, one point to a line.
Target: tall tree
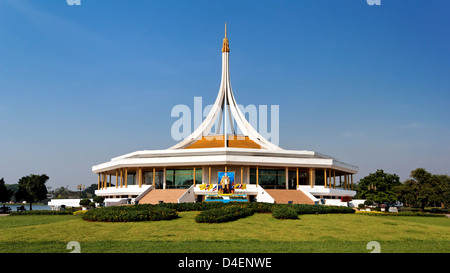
5 193
442 189
424 188
378 187
91 190
32 188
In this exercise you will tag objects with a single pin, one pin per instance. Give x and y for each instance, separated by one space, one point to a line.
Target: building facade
217 163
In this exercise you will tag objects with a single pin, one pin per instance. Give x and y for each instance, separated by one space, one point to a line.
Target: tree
378 187
85 202
424 188
5 193
61 192
407 192
442 189
99 199
32 188
90 191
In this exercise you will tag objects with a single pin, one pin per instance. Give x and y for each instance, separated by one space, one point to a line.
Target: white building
57 204
261 170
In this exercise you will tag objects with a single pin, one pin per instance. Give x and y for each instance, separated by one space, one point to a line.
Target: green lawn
257 233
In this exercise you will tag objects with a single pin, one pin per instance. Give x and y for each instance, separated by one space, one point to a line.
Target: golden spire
226 46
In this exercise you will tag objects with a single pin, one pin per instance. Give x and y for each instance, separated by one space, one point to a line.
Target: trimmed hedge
130 214
291 211
210 212
402 213
199 206
41 212
284 212
318 209
261 207
224 214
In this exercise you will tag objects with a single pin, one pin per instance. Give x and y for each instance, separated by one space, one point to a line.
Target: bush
261 207
410 213
315 209
285 212
438 210
224 214
408 209
85 202
41 212
402 213
130 214
98 199
210 212
200 206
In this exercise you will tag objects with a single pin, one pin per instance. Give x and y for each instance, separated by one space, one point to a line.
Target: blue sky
369 85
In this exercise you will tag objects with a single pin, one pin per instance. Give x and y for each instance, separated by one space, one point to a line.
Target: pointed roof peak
227 113
225 29
225 46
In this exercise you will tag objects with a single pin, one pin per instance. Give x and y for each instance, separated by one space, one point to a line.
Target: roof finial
226 46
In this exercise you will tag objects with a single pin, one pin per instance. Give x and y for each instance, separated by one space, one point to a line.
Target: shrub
315 209
285 212
402 213
130 214
210 212
438 210
224 214
98 199
261 207
410 213
200 206
85 202
41 212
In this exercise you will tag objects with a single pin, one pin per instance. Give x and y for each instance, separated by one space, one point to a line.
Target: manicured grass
256 233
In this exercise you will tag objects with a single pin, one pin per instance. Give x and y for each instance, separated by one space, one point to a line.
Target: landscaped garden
209 227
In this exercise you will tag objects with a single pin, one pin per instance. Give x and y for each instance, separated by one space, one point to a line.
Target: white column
164 179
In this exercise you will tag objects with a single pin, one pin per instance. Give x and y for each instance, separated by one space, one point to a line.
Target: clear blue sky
369 85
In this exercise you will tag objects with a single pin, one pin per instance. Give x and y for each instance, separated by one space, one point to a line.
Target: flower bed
79 212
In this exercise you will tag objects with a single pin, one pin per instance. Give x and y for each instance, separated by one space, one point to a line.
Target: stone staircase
284 196
167 196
